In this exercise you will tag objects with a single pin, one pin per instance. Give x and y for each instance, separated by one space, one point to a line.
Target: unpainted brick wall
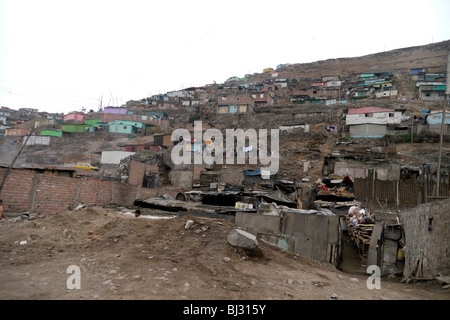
94 192
27 190
16 190
54 194
137 171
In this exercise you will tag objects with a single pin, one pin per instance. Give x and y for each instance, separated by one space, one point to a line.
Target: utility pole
446 94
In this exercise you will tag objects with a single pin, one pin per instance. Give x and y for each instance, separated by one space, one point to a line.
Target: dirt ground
123 257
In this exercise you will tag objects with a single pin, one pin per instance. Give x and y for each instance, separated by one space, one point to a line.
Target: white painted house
114 157
371 122
373 115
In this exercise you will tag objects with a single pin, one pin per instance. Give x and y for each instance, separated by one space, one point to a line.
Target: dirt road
123 257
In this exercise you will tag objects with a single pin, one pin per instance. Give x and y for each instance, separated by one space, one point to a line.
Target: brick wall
16 189
54 194
28 190
94 192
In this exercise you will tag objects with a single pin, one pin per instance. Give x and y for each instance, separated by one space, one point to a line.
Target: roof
368 110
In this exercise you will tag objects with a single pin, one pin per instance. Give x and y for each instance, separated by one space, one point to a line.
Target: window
391 115
368 115
133 149
124 127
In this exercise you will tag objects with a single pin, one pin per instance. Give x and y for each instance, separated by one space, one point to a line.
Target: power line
44 97
72 105
60 92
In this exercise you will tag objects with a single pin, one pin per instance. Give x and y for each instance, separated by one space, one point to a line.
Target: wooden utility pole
446 94
15 158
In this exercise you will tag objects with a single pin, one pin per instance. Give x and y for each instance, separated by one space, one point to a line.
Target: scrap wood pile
360 227
335 189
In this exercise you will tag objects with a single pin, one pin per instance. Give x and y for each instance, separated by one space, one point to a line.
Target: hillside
123 257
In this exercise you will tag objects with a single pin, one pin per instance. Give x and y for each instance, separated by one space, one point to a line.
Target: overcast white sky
62 55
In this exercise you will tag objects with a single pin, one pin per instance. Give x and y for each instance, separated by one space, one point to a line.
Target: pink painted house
73 116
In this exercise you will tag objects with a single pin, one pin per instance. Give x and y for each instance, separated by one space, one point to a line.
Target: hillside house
139 147
16 132
52 133
262 99
73 117
436 117
130 127
180 94
371 122
416 71
432 92
390 92
74 127
235 104
152 120
300 96
115 110
114 157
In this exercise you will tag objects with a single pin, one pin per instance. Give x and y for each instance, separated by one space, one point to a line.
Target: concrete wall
427 231
367 130
34 140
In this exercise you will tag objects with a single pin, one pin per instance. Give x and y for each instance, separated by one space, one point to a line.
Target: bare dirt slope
123 257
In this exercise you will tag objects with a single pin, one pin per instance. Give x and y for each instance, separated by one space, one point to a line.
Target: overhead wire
64 101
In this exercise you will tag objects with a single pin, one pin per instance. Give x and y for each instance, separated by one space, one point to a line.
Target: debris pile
360 226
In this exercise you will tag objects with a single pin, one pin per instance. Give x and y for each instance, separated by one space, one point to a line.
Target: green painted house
53 133
74 127
93 122
121 126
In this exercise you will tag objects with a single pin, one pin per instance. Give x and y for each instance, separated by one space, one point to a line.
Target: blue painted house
436 118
